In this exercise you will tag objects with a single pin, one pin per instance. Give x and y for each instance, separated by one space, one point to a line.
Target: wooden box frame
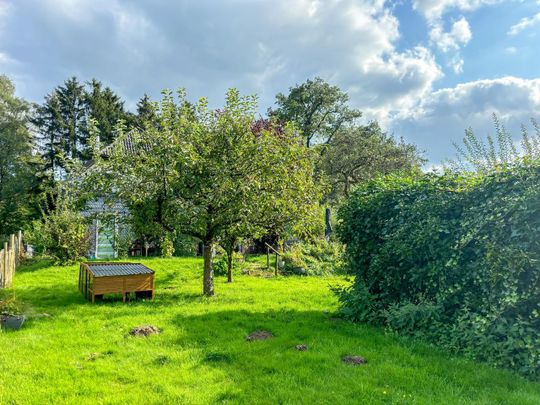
91 285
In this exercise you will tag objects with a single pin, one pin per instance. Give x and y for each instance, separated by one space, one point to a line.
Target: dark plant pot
13 322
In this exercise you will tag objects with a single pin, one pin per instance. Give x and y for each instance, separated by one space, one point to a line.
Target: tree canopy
63 120
361 153
319 110
210 173
17 165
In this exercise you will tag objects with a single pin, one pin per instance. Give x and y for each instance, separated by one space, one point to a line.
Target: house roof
128 144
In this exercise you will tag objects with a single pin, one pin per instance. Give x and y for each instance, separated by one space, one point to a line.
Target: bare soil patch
259 335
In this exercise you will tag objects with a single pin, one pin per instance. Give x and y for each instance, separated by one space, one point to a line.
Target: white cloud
441 117
257 46
435 9
458 36
524 23
5 59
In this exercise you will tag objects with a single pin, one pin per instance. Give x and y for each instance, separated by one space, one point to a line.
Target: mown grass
83 353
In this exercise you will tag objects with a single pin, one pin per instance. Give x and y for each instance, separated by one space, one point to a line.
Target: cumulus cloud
441 117
458 36
434 9
524 23
261 47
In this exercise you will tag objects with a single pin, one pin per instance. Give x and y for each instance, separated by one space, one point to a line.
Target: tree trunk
229 266
208 277
328 224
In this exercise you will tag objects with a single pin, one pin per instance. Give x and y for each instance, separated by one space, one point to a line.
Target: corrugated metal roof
118 269
128 145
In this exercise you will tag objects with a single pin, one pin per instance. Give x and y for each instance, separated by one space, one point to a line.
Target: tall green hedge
453 259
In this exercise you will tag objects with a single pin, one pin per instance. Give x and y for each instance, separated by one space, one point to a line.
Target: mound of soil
145 330
301 348
354 360
259 335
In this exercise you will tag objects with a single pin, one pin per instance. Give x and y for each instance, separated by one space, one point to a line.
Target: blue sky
426 69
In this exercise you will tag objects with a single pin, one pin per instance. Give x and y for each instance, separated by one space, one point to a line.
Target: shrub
167 246
318 257
63 234
454 259
220 265
185 245
10 306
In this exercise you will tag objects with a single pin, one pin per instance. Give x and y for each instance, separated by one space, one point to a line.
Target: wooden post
267 258
2 269
6 264
20 251
276 271
12 257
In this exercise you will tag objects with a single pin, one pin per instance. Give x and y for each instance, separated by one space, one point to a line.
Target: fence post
2 269
20 248
6 264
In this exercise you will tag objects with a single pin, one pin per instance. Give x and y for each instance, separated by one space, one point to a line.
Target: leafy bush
123 240
454 259
10 306
184 245
167 246
318 257
63 234
220 265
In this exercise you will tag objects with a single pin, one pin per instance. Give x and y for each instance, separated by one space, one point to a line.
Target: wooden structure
10 257
99 278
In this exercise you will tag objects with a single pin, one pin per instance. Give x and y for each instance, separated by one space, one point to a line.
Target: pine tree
146 112
72 100
106 107
63 121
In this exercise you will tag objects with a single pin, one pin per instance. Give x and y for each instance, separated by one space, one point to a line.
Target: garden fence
10 257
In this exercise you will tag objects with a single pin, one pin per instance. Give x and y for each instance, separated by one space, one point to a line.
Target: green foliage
317 108
167 246
64 120
497 151
123 239
19 177
207 174
221 265
184 245
454 259
360 153
317 257
61 234
9 305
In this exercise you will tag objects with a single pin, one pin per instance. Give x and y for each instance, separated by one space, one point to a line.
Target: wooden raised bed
98 279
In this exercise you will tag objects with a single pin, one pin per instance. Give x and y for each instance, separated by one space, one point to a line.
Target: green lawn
82 353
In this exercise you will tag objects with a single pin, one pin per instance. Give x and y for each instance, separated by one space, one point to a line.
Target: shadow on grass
63 296
31 265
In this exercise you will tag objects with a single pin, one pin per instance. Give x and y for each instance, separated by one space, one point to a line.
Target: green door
105 242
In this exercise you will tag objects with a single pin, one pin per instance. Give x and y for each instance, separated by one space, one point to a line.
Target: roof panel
118 269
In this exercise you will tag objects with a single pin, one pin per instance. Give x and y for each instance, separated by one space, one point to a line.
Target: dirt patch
259 335
145 330
354 360
301 348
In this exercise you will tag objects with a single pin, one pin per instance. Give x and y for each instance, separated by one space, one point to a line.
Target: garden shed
99 278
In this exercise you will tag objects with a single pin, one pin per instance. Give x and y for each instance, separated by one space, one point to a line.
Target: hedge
452 259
